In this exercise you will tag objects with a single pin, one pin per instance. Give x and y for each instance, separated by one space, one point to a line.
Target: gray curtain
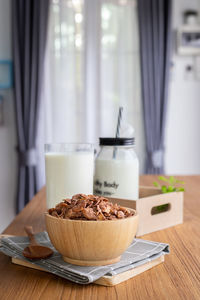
30 19
155 36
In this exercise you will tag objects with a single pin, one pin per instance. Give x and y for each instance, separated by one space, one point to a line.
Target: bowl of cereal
90 230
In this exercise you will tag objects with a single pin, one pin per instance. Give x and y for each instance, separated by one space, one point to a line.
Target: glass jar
117 169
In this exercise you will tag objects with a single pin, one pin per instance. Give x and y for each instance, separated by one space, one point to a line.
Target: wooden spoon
34 250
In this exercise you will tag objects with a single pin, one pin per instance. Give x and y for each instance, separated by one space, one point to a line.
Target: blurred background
67 65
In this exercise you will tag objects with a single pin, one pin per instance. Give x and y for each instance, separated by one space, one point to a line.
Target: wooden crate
149 199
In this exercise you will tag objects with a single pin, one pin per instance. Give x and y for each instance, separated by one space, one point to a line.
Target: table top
177 278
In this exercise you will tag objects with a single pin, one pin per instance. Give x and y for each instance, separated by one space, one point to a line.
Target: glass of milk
117 169
69 171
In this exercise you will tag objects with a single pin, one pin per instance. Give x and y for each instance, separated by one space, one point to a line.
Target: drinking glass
69 171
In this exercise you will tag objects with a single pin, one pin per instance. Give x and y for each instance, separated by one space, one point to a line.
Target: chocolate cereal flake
89 207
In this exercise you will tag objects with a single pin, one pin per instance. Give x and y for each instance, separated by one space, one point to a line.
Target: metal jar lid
116 141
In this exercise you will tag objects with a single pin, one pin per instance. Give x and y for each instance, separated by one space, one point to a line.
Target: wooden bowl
91 243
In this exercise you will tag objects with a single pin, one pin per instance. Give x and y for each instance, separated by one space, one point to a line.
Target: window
92 67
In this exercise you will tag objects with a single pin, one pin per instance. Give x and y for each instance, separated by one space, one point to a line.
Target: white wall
7 131
183 121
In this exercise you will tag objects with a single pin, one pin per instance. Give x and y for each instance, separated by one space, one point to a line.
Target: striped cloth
137 254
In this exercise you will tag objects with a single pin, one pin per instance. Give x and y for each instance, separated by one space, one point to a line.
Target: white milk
68 174
117 178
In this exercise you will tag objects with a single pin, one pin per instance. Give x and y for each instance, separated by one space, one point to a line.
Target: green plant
171 184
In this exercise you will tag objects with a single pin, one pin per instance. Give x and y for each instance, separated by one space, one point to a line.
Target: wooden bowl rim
93 221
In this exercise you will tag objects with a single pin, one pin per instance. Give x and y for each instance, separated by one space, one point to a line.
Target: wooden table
177 278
